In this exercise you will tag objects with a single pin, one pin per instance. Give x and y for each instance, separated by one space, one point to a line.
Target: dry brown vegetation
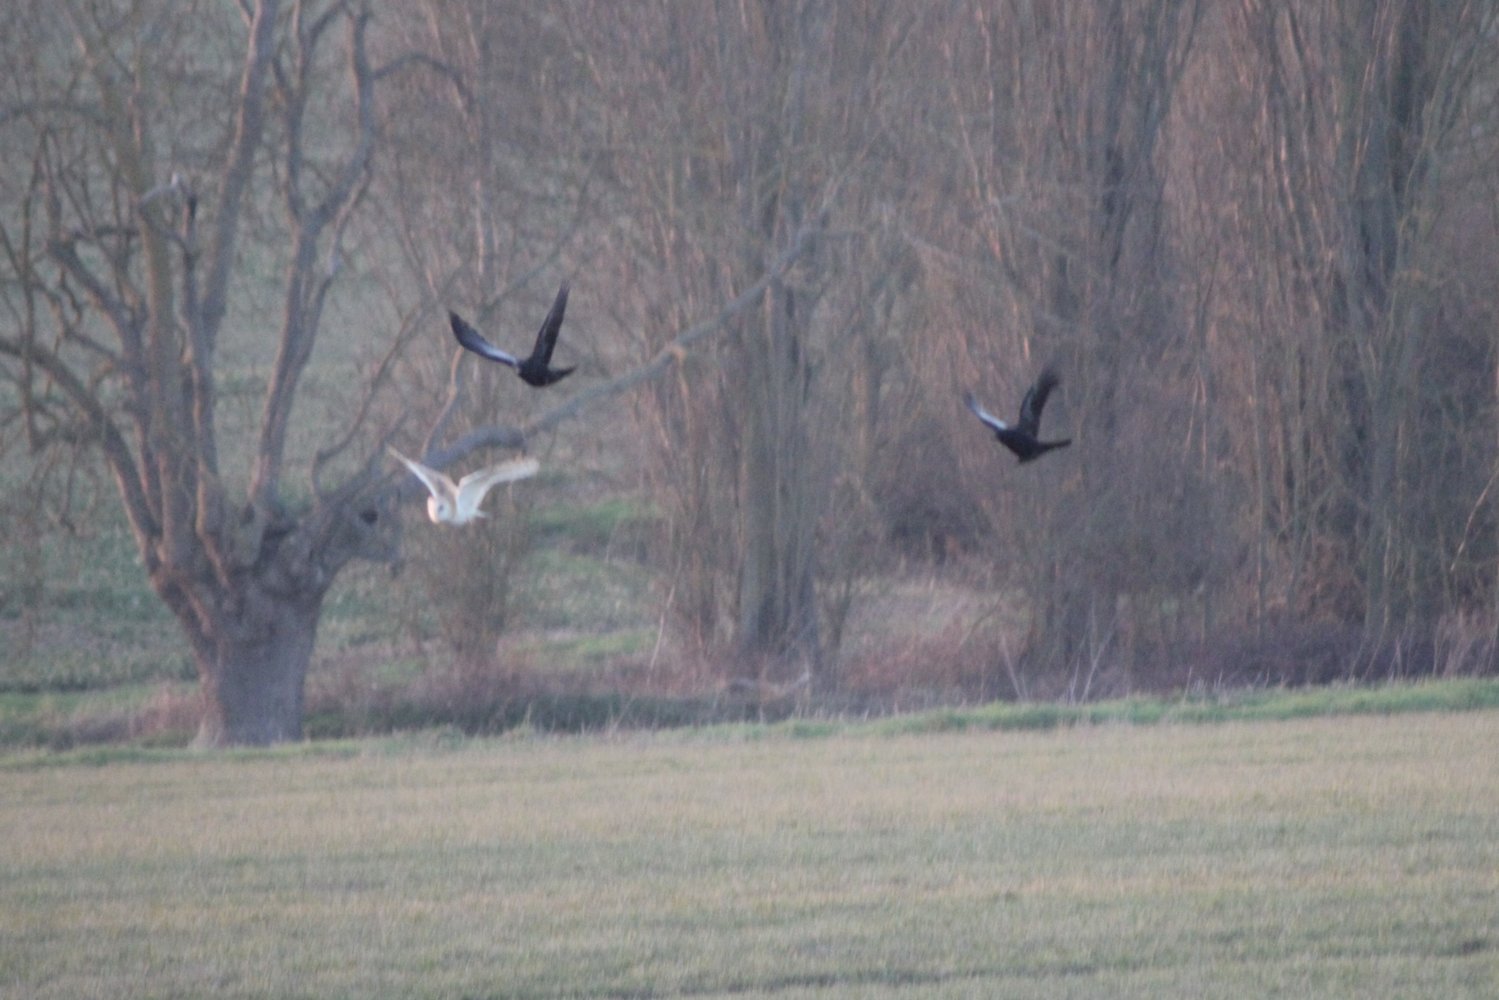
1258 239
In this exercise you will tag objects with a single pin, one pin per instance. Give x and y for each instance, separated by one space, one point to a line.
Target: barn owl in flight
458 503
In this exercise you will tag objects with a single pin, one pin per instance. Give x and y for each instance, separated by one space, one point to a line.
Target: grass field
1352 856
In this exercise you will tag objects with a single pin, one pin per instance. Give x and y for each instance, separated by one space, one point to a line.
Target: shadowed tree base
253 676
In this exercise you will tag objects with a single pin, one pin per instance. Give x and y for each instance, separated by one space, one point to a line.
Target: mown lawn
1353 856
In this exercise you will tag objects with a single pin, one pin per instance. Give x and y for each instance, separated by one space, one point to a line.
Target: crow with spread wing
1024 437
535 370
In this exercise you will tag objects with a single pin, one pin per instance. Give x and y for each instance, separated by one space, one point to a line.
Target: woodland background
1259 240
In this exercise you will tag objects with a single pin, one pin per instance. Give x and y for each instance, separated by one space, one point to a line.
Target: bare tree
1364 111
127 237
1052 235
487 190
770 57
716 161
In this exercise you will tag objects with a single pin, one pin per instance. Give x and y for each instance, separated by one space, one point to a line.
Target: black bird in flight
536 370
1023 438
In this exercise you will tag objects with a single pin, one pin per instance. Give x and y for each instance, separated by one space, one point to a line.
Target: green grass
1462 694
1349 856
595 525
103 627
589 651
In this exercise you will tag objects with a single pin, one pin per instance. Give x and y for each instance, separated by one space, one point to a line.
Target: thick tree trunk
253 673
777 590
777 606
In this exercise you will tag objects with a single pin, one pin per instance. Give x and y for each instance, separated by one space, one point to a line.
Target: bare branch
240 165
376 383
138 507
305 293
422 59
673 352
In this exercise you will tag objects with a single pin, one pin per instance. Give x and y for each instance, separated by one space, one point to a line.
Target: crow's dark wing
1035 400
546 337
472 340
993 422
